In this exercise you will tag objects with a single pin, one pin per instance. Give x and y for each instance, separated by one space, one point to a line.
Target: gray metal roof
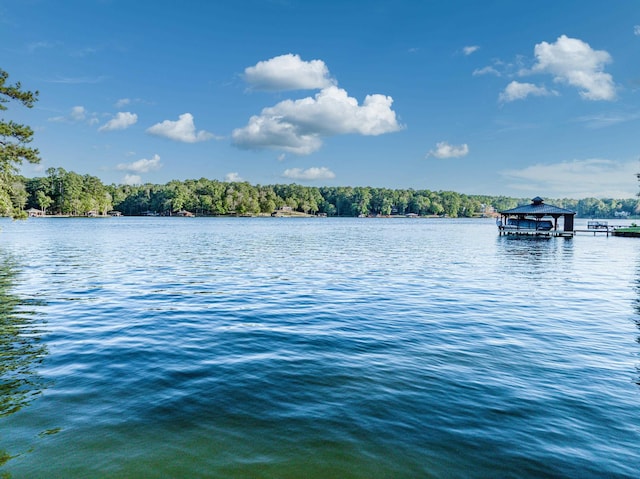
537 207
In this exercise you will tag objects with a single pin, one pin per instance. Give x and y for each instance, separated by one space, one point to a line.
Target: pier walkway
599 227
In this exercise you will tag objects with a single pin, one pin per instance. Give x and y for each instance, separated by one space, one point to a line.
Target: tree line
67 193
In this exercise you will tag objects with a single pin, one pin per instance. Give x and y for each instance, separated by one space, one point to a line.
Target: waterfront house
185 213
534 220
33 212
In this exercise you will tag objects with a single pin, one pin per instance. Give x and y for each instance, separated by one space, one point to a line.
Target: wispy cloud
595 177
608 119
488 70
444 150
636 30
77 114
121 121
85 51
183 130
42 45
76 80
310 174
470 49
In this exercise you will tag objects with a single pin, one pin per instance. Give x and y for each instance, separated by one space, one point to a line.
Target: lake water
315 348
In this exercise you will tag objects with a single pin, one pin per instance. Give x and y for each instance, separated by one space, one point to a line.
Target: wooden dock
599 227
535 233
606 231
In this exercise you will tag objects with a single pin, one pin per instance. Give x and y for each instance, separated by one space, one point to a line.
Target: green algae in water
50 432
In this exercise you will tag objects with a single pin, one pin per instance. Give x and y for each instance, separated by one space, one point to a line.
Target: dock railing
594 226
597 225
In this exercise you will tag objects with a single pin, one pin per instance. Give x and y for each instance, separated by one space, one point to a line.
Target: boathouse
32 213
530 220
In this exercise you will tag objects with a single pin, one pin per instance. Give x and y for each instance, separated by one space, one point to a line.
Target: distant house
185 213
114 213
33 212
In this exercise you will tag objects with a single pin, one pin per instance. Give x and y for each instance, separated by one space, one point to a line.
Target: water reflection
637 320
523 255
20 348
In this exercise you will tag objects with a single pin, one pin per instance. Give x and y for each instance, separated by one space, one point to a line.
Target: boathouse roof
538 208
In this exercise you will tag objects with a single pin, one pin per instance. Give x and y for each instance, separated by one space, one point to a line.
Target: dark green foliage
14 149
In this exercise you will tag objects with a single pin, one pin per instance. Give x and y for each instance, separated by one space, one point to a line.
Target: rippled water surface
315 348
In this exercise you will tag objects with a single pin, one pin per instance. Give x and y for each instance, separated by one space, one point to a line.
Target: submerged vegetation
68 193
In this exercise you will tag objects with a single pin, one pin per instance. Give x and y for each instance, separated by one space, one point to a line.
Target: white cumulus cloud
297 126
594 177
233 177
183 129
288 72
121 121
77 114
132 180
574 62
142 166
310 174
519 91
445 150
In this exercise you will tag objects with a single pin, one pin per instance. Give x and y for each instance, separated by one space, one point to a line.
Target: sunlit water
315 348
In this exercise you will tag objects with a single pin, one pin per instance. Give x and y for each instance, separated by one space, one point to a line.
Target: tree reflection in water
20 348
637 320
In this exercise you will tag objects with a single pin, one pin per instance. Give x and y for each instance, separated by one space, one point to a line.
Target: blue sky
497 97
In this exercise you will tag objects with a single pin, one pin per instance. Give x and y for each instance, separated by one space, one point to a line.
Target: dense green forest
68 193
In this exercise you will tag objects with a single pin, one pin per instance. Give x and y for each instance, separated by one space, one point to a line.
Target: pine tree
14 141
